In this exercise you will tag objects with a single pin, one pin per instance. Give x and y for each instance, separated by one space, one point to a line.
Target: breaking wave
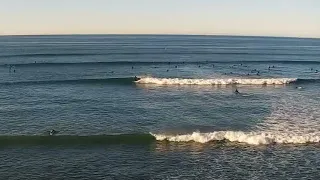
168 81
222 81
253 138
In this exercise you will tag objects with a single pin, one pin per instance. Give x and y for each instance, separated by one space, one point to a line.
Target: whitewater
219 81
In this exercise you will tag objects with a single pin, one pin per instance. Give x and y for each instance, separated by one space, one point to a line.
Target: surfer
236 91
52 132
136 78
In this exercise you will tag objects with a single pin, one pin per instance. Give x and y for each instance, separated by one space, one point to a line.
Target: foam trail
179 81
253 138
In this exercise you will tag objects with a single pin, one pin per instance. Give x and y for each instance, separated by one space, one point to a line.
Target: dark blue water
179 120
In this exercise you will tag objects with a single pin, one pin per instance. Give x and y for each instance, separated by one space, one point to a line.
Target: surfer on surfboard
136 78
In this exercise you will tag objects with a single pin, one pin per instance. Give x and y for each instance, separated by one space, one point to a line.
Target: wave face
230 81
118 81
253 138
77 140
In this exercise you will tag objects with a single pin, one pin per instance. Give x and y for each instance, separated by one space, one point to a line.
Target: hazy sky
229 17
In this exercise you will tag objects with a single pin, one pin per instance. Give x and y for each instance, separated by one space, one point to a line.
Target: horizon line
162 34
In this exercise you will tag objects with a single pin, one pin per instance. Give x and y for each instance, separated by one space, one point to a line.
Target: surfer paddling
52 132
236 91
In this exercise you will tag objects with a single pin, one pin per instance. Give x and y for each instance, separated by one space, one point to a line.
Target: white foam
253 138
222 81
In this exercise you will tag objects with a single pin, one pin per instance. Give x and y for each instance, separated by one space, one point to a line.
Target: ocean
159 107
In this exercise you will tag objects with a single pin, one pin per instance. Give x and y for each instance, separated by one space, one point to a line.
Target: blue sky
299 18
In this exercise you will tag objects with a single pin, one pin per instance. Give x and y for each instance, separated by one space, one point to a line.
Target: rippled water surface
179 118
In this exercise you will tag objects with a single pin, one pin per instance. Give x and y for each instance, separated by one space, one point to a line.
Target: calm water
180 120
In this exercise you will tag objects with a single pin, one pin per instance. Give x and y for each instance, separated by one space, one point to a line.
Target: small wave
151 63
77 140
185 52
252 138
37 64
118 81
229 81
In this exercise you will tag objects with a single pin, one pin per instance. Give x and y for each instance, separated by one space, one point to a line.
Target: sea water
179 118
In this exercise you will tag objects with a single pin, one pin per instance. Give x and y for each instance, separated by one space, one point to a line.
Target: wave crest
225 81
253 138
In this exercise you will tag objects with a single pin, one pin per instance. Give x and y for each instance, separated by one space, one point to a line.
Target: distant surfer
52 132
236 91
136 78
